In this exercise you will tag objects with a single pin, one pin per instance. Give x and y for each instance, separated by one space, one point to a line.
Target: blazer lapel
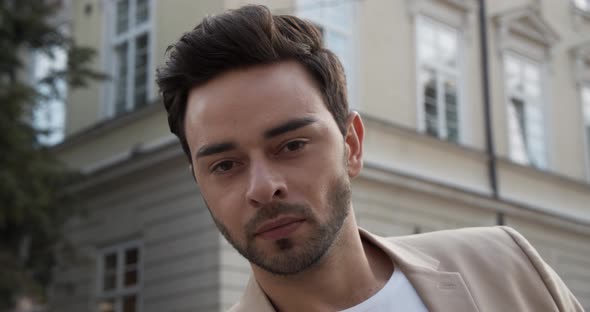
440 291
254 299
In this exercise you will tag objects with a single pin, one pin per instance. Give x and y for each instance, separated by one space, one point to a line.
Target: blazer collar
440 291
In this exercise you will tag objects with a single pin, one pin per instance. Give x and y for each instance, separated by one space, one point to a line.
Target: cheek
225 205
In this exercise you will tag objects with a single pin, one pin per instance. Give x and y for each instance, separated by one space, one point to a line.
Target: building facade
473 118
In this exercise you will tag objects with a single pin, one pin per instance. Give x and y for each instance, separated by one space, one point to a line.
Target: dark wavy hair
245 37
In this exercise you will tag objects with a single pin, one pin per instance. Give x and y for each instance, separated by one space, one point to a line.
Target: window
583 5
525 110
120 273
335 20
585 96
50 114
438 78
130 55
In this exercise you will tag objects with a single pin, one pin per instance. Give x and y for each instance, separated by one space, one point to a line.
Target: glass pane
109 281
121 78
106 306
122 16
142 12
452 113
131 256
130 304
130 278
141 71
518 144
339 14
309 9
428 85
110 261
513 73
426 43
583 4
533 90
531 73
586 103
447 47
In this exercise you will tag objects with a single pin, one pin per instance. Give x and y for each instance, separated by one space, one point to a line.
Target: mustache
273 210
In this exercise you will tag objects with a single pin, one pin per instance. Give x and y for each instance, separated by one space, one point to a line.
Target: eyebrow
216 148
290 125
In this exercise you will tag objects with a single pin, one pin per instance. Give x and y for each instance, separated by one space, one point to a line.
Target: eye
294 146
223 166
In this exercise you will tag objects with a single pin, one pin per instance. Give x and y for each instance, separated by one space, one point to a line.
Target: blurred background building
473 118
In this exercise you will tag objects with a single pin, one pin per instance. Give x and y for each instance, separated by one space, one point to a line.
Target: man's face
271 164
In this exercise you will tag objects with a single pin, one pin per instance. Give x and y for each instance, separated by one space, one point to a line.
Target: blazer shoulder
472 248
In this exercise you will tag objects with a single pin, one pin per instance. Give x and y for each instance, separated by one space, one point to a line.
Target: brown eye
294 146
223 166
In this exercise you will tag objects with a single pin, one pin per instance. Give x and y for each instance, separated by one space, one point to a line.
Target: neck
351 271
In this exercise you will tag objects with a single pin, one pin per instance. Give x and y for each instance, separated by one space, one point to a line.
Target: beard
286 258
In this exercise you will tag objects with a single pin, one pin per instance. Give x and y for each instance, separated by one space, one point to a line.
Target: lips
278 228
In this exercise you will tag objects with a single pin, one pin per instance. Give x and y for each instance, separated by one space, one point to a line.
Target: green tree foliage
33 203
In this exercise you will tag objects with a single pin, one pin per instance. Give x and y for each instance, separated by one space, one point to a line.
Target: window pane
586 103
452 113
130 304
130 278
583 4
131 256
109 282
106 306
121 78
309 9
516 120
426 43
429 91
110 262
141 71
513 73
339 14
122 16
447 47
142 12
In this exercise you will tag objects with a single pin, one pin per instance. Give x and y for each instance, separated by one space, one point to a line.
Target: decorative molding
433 8
527 22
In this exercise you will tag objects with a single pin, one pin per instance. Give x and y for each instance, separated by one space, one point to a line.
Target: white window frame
581 69
585 87
440 71
349 32
509 94
120 292
112 40
539 38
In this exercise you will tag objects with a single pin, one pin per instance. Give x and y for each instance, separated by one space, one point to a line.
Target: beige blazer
475 269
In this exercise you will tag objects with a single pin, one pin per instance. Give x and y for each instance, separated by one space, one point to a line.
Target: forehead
247 100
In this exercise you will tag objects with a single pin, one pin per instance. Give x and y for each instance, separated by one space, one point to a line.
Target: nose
266 183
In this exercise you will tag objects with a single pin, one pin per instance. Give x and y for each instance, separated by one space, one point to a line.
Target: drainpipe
485 78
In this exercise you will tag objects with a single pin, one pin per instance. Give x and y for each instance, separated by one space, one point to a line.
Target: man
260 108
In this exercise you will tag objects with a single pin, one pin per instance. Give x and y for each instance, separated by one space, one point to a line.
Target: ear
353 141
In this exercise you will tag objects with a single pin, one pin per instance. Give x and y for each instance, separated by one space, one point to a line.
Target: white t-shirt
397 295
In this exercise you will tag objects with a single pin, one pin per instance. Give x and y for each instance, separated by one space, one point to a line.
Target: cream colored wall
115 141
174 18
83 105
386 62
